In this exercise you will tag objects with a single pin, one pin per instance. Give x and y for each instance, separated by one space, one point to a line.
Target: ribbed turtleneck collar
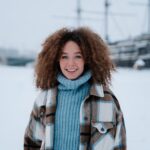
66 84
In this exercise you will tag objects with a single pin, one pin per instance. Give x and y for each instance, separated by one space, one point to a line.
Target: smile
71 70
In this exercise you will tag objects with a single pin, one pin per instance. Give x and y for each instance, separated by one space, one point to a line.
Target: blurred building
15 57
127 52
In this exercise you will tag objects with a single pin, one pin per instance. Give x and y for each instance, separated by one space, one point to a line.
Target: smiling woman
76 110
71 60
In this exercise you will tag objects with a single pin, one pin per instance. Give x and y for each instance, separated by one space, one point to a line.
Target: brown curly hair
95 54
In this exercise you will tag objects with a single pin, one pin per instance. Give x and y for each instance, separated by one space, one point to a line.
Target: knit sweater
70 95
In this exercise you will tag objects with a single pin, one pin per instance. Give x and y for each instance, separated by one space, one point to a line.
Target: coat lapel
86 115
50 118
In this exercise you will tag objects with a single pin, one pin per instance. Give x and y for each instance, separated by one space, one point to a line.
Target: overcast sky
24 24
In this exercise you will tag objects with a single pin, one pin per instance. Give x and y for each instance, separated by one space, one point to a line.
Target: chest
96 116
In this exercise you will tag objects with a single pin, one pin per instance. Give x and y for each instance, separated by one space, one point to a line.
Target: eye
78 56
64 57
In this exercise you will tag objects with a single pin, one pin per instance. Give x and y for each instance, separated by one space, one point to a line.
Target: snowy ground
17 94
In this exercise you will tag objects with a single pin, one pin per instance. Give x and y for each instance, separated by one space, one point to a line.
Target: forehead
71 47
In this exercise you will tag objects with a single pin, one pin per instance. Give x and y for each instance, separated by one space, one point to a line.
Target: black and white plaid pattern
101 122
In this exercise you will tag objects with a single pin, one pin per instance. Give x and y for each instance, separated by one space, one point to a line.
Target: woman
75 109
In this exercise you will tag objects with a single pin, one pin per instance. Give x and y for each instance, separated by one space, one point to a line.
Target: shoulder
45 96
40 99
106 107
110 96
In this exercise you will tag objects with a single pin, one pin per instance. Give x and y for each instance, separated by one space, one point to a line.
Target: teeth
71 70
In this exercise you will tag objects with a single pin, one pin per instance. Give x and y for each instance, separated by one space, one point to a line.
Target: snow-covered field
17 94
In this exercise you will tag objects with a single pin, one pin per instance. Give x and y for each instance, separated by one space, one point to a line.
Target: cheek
82 63
61 64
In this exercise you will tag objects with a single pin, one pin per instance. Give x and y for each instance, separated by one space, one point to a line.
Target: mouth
71 70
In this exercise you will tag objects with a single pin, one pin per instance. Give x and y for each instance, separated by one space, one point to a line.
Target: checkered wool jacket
101 122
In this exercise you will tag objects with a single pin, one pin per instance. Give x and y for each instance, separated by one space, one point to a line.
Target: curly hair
94 50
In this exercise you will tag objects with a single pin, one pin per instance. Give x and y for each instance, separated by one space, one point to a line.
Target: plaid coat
101 122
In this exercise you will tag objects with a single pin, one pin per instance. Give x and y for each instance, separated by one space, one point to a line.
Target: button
42 113
85 118
103 130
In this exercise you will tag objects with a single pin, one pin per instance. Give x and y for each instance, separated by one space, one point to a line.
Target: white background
17 94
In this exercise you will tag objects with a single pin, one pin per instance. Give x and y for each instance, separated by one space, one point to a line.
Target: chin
71 78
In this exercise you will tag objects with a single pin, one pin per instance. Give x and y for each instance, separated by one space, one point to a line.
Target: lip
71 70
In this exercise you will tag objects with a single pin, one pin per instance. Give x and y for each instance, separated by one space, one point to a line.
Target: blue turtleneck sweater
67 126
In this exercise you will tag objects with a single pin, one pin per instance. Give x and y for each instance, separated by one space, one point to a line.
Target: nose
71 62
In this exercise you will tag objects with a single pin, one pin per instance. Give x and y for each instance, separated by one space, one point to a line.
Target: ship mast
78 12
148 16
106 20
106 5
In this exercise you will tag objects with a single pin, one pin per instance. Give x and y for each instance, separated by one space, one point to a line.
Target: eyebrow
74 53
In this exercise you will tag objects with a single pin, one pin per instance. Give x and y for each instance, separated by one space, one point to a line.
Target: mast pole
78 13
148 16
106 20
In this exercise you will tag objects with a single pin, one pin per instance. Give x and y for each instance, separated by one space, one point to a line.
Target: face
71 61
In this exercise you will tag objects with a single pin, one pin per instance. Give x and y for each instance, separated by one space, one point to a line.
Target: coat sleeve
34 131
120 135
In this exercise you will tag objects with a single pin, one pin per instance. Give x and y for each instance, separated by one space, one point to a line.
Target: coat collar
97 90
51 96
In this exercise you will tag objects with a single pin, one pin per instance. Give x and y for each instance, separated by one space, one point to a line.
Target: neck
67 84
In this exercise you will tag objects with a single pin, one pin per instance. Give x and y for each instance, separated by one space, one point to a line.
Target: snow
18 93
132 90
